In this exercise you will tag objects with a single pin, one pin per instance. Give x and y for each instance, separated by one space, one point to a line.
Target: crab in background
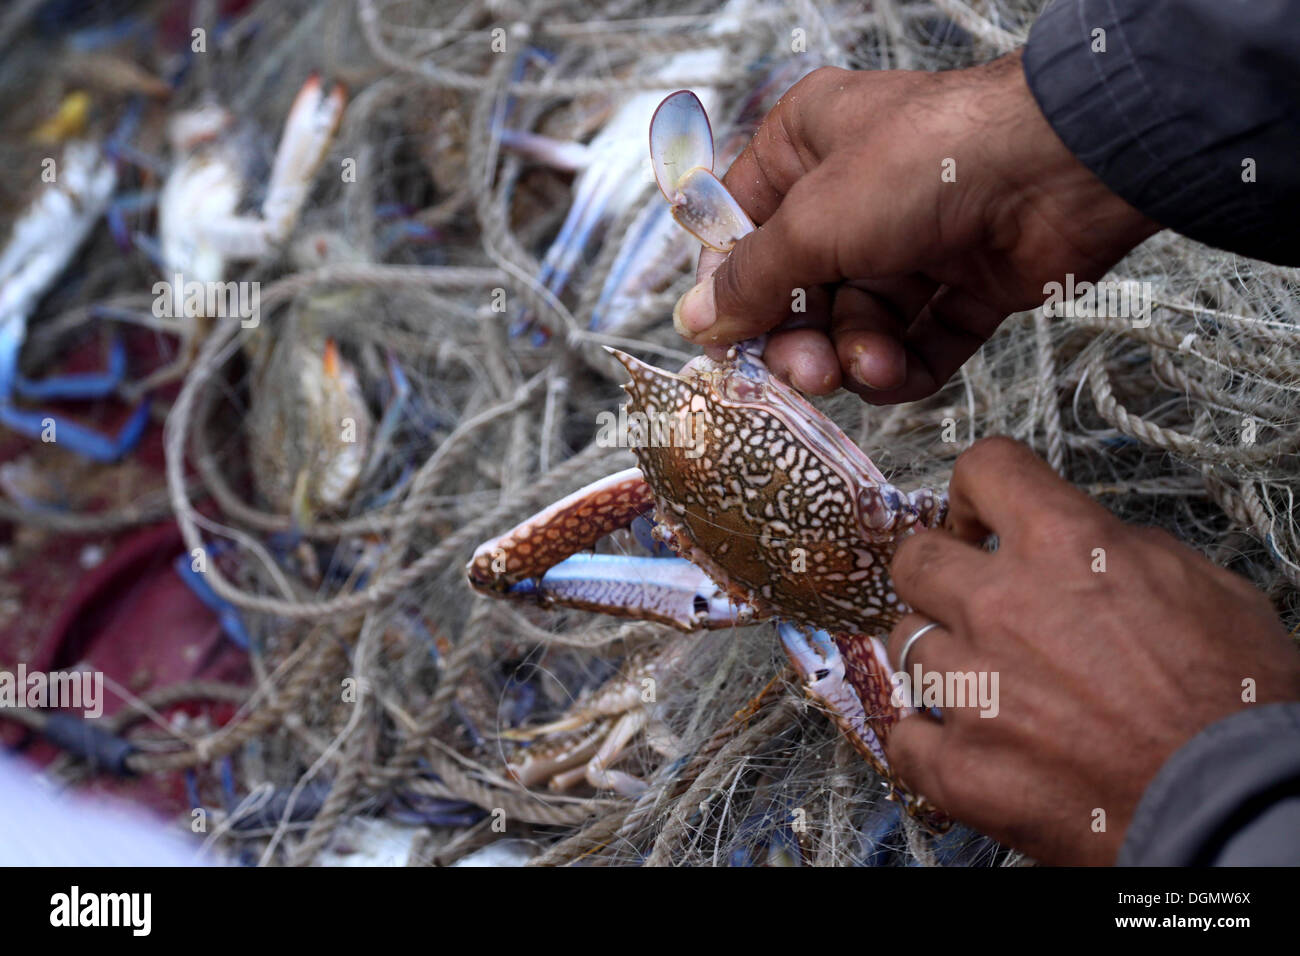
610 179
309 424
201 230
44 239
771 509
199 224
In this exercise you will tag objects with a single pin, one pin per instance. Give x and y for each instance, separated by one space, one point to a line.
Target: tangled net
1187 422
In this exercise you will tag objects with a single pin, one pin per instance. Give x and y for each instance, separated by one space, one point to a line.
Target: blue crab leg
857 694
80 386
671 591
79 439
652 251
562 154
849 675
231 621
120 208
539 561
593 194
394 412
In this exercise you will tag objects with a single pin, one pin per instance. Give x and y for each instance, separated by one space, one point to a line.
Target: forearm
1190 111
1229 797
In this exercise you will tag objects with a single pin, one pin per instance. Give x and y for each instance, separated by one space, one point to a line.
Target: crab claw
308 131
680 140
681 151
704 208
817 659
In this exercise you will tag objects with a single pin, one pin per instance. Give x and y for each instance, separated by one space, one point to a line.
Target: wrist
1042 185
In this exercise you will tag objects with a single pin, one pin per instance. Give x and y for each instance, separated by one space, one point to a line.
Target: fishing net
384 687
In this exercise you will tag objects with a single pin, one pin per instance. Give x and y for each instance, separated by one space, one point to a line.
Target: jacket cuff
1216 799
1183 93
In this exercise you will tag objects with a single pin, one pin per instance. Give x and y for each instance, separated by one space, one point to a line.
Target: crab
200 227
609 181
585 743
43 241
771 510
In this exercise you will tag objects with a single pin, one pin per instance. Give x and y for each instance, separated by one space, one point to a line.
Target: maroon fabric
130 616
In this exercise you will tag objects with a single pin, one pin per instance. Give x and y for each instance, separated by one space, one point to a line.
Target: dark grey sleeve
1228 797
1189 100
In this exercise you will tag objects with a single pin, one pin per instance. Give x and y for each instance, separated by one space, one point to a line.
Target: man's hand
905 274
1103 674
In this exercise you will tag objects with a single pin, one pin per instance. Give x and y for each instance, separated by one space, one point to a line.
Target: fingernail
866 368
694 311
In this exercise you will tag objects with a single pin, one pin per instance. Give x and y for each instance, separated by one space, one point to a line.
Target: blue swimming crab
772 511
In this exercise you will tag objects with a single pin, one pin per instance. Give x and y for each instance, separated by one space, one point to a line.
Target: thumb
754 288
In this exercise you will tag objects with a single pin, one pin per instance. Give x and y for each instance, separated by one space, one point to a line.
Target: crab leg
543 761
654 248
670 591
561 154
43 243
856 694
598 770
590 756
850 676
572 524
538 562
78 439
81 385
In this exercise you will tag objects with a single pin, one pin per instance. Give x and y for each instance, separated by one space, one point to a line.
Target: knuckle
919 554
986 604
818 81
1066 533
992 452
801 222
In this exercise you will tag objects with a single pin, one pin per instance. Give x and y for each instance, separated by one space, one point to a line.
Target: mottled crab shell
762 457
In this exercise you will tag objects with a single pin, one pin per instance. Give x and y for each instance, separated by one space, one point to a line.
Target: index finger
777 157
1000 486
765 169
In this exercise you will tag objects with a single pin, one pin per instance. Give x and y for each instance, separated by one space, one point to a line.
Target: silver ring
907 644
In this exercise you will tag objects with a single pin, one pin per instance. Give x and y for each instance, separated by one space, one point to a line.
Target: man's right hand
1112 645
906 271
